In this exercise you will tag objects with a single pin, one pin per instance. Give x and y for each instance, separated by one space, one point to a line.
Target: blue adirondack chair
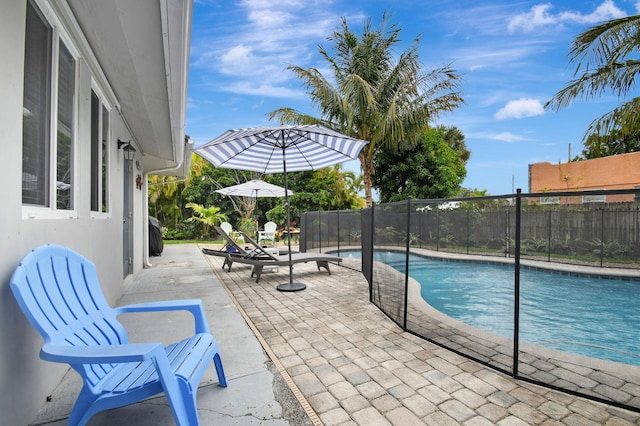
59 292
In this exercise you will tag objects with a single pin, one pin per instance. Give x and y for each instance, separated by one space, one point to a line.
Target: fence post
516 281
601 236
507 242
549 238
438 232
406 265
319 232
302 239
338 224
467 231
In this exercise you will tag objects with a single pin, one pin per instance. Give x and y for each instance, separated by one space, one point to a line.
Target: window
49 116
549 200
36 105
600 198
99 154
64 142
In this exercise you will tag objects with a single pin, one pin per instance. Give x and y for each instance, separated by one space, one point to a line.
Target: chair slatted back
269 232
59 292
270 227
226 227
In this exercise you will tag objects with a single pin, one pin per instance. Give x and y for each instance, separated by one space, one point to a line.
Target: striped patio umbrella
281 149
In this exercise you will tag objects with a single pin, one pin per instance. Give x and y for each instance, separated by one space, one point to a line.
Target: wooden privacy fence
601 234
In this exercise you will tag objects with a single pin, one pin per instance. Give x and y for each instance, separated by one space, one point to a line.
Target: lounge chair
228 228
269 233
267 259
259 249
230 245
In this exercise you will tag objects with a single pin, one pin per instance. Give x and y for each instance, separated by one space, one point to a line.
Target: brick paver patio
354 366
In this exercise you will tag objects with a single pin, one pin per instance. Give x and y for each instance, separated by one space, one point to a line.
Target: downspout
188 146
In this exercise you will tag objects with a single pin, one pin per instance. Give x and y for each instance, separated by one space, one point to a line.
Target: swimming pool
588 316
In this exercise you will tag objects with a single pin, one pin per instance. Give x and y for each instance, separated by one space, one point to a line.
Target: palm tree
207 216
602 57
455 139
164 199
377 97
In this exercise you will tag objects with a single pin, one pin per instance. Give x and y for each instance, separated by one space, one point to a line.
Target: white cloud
507 137
606 11
237 57
262 89
523 107
540 15
266 37
504 54
537 16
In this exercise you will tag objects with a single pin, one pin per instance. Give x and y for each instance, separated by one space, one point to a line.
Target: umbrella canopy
281 149
254 189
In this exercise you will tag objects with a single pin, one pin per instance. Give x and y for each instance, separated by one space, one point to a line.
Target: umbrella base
291 287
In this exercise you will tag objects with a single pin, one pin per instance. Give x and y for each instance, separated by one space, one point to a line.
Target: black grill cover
155 237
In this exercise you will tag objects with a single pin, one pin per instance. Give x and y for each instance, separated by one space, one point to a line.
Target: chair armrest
101 354
192 305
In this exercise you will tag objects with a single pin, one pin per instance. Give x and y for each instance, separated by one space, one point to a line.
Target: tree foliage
431 169
330 188
173 202
615 143
606 62
378 95
208 217
455 139
165 199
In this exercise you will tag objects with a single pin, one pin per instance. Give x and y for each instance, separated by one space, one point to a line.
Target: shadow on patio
342 360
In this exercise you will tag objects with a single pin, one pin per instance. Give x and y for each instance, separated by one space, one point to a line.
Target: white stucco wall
25 380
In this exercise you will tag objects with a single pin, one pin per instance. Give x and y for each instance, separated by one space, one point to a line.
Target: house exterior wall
614 172
25 380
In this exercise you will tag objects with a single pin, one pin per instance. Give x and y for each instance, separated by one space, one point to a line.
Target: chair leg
222 380
190 406
324 264
177 392
258 272
227 262
81 412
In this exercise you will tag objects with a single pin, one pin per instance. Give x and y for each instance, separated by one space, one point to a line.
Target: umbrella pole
255 217
290 286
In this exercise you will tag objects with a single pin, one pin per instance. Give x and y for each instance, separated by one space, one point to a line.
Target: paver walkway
354 366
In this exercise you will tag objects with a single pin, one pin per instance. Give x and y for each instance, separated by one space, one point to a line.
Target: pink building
614 172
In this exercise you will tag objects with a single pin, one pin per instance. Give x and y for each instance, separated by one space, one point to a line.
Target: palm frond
607 42
622 121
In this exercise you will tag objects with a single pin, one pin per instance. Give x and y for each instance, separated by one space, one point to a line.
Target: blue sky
512 56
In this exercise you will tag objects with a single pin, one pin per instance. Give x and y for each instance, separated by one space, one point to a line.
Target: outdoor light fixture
129 150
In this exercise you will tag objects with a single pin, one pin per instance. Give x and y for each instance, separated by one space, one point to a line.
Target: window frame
550 200
59 35
104 168
589 198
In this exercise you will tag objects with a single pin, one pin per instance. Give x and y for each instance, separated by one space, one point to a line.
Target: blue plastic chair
59 292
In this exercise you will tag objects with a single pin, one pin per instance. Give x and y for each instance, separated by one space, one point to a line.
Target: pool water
594 317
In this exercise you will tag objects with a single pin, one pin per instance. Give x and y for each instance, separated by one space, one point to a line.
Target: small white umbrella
281 149
254 188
